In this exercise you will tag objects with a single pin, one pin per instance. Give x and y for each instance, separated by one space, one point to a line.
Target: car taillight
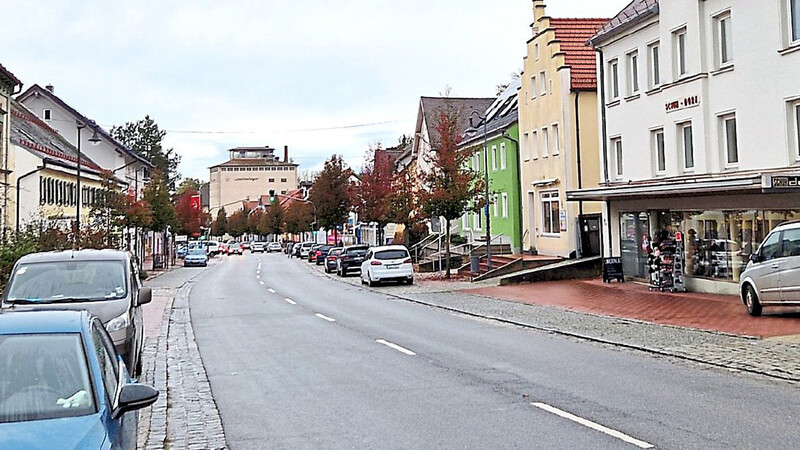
345 258
319 253
407 261
375 263
331 258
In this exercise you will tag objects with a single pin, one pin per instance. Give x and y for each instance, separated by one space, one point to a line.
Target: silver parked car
772 278
104 282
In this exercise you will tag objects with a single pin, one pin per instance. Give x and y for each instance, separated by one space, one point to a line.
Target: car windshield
63 281
44 376
197 251
391 254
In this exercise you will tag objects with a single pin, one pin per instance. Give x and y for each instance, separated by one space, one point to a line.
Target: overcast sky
320 76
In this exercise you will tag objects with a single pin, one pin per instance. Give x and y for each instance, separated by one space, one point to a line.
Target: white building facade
700 126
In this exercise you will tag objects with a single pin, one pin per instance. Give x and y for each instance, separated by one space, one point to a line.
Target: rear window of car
334 251
357 251
44 376
391 254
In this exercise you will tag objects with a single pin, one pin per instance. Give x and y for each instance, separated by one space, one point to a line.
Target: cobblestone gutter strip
153 420
763 357
185 415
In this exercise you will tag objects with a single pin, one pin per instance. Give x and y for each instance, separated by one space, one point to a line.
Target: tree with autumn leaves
331 194
451 187
373 197
189 213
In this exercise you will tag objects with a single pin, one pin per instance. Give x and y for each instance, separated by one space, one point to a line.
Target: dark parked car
64 385
322 253
104 282
330 260
350 259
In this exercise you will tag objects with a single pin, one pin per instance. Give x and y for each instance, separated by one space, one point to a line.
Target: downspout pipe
518 185
601 82
578 147
19 181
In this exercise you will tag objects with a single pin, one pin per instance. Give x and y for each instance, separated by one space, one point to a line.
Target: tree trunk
447 249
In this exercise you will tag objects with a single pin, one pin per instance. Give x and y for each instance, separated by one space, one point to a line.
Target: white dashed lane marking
592 425
396 347
290 301
324 317
271 291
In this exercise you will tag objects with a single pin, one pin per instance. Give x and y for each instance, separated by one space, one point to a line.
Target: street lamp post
486 192
94 140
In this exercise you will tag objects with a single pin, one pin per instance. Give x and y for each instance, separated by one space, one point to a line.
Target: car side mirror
135 396
755 258
145 295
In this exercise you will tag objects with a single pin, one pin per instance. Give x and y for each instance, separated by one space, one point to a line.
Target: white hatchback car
274 247
388 263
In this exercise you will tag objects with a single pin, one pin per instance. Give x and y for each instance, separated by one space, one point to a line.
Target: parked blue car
63 385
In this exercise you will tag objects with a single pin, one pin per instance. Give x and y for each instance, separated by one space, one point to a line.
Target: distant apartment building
700 139
249 173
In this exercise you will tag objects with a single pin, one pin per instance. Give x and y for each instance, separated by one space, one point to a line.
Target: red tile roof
573 35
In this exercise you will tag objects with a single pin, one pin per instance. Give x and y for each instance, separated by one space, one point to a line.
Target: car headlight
118 323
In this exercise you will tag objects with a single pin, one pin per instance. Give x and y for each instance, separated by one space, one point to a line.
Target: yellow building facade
558 127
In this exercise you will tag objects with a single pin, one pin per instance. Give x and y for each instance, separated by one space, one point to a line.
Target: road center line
592 425
271 291
290 301
324 317
261 282
396 347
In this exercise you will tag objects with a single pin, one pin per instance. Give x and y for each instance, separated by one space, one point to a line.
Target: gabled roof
635 12
573 35
7 77
37 137
430 106
36 89
501 114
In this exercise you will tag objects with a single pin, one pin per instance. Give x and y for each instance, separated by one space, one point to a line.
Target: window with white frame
729 141
687 144
796 127
477 217
679 42
723 38
504 204
535 52
545 142
526 139
494 204
494 158
535 144
556 148
550 212
633 73
534 87
46 115
613 79
793 7
476 164
503 156
465 221
659 153
654 52
543 81
616 147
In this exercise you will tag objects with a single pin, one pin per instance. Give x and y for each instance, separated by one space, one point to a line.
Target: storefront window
634 236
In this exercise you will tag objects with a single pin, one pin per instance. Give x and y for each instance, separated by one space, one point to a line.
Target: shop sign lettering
682 103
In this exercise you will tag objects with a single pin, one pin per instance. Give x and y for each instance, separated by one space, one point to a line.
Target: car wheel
370 283
340 272
410 281
751 301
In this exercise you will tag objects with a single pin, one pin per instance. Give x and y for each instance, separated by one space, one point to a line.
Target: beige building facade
9 85
249 173
558 127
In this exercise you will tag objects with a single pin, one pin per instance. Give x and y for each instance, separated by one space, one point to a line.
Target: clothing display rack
666 265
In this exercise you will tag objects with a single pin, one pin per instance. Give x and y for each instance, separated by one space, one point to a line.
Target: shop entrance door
634 229
590 234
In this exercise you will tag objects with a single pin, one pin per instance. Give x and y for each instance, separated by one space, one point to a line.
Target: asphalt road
298 360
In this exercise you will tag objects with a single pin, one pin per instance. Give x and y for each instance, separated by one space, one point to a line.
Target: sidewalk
720 313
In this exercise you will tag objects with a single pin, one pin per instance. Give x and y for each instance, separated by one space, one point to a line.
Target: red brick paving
635 301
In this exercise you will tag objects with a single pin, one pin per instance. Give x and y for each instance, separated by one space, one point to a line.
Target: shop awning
684 186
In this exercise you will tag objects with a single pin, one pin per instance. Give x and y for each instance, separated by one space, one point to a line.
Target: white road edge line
271 291
324 317
290 301
396 347
592 425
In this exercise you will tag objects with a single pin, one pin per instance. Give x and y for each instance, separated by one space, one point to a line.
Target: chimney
50 88
286 153
538 14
